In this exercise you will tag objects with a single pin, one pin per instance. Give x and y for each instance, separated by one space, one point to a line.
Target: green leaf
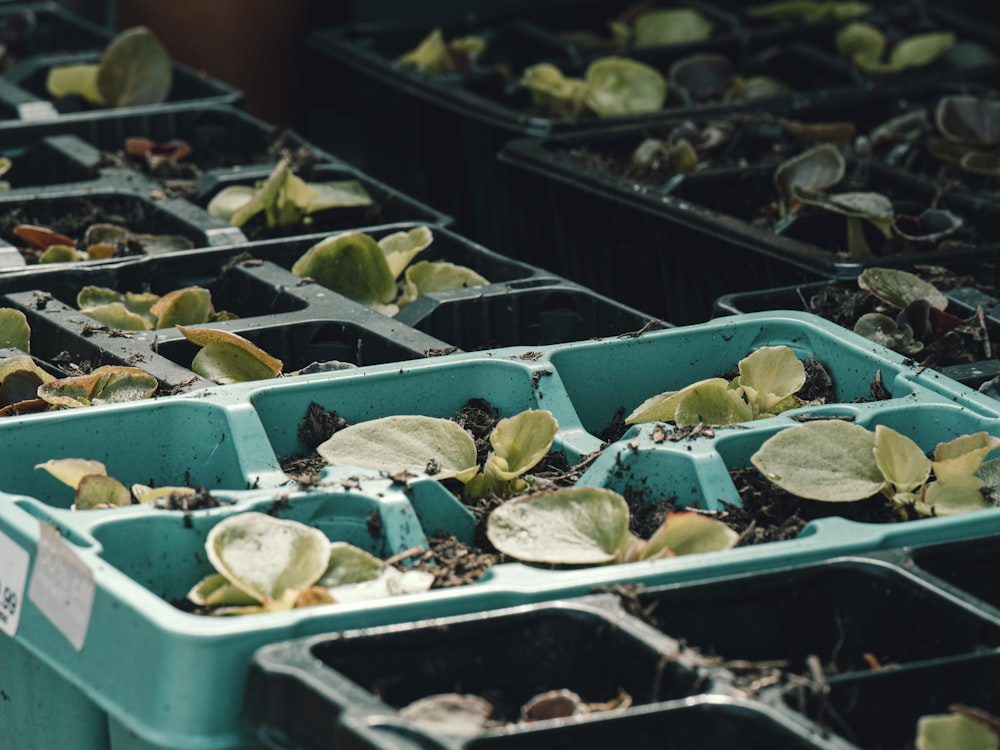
228 358
110 384
954 732
337 194
400 248
20 378
351 264
657 28
143 493
349 564
214 590
922 49
957 494
572 526
411 443
264 198
99 491
899 288
620 86
900 460
135 69
128 311
229 200
438 276
71 471
265 557
770 374
552 92
711 402
189 306
15 332
59 254
521 441
80 80
809 10
883 330
430 56
874 207
688 533
963 455
828 460
861 43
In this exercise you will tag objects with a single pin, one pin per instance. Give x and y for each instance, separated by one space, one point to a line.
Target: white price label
13 573
62 586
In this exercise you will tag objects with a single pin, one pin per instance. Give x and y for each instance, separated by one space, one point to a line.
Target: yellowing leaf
228 358
900 459
72 470
75 79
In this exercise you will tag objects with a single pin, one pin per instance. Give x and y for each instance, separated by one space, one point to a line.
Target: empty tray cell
967 565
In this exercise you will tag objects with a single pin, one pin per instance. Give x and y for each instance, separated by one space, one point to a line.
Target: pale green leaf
59 254
189 306
771 374
143 493
656 28
109 384
522 441
620 86
135 69
117 315
954 732
688 533
659 408
265 198
411 443
899 288
228 358
229 200
79 80
129 311
215 590
554 93
351 264
711 402
900 460
349 564
338 194
449 714
99 491
400 248
957 494
827 460
389 582
430 56
963 455
71 471
571 526
265 557
15 332
922 49
439 276
862 43
20 378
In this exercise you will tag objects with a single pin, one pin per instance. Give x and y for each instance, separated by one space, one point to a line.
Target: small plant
964 728
921 307
134 69
969 133
95 490
266 564
226 357
871 50
442 449
768 380
99 242
285 199
434 55
590 526
838 462
130 311
611 87
357 266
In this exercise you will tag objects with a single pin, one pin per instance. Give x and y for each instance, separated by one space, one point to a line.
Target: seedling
921 310
611 87
357 266
766 385
100 241
644 26
964 727
134 69
441 449
838 462
285 199
266 564
229 358
969 128
95 490
130 311
590 526
870 49
434 55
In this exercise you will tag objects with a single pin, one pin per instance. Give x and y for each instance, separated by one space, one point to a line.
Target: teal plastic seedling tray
99 655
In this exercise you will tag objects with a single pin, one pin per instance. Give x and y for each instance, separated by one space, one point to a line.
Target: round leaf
657 28
349 564
922 49
265 556
573 526
900 460
15 333
229 200
772 373
402 247
189 306
620 86
338 194
828 460
954 731
900 288
862 43
20 378
523 440
413 443
135 69
711 402
883 330
958 494
352 264
97 491
80 80
439 276
689 533
59 254
228 358
817 169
